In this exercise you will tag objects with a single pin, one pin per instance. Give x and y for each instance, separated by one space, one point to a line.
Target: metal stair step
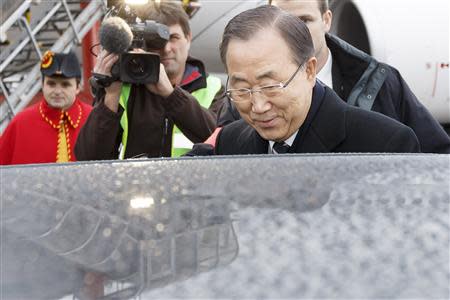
51 28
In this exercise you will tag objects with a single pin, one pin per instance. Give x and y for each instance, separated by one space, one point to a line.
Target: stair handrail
31 85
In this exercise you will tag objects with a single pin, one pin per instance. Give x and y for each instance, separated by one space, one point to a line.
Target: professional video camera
121 32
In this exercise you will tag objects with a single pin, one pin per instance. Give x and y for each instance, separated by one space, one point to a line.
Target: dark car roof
296 226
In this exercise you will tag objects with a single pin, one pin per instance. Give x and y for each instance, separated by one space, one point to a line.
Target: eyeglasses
269 91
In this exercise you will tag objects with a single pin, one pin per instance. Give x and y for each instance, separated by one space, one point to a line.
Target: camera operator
184 96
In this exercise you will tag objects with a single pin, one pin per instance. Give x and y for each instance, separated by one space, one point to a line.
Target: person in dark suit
269 58
359 79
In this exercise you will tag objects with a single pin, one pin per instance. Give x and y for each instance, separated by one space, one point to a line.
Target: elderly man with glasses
269 58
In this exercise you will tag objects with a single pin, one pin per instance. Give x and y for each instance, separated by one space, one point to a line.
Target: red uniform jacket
32 136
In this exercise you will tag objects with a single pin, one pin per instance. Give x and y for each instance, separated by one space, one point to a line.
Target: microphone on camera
115 35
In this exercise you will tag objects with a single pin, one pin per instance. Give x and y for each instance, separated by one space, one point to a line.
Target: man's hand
105 61
163 87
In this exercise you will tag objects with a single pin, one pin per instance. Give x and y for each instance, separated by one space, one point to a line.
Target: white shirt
289 141
325 74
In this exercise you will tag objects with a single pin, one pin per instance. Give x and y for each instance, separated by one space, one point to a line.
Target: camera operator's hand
163 87
105 61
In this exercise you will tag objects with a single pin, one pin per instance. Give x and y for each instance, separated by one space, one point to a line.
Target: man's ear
311 67
327 18
78 87
189 38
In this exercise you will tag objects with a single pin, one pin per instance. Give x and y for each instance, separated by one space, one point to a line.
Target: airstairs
28 29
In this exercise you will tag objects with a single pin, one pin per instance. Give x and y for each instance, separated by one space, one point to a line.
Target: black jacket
150 121
366 83
335 127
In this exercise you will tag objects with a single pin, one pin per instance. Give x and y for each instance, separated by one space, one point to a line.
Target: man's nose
260 103
57 89
167 47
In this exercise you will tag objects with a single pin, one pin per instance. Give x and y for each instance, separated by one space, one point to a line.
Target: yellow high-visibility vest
180 143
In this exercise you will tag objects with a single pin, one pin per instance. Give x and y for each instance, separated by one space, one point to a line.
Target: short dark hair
324 5
293 31
167 13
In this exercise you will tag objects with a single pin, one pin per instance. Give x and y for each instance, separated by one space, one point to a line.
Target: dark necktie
281 147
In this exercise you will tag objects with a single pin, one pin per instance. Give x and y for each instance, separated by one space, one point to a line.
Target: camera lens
137 67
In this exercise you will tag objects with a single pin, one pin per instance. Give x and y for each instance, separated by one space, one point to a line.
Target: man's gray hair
293 31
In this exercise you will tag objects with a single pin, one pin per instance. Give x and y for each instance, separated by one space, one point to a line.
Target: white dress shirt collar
325 74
